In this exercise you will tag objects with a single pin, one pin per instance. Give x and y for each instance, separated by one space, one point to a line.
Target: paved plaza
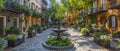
81 43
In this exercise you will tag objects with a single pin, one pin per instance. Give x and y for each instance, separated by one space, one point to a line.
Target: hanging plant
36 14
27 10
2 4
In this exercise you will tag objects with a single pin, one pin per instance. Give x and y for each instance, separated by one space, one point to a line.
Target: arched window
113 21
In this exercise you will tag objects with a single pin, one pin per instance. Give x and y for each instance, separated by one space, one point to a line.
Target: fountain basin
56 47
57 30
62 34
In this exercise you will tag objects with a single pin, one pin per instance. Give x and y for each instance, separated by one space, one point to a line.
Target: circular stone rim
56 47
61 34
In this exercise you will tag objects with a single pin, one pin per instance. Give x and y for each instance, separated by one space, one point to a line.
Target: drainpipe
20 22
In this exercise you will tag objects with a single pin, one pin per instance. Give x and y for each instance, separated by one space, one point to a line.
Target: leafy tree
56 11
74 6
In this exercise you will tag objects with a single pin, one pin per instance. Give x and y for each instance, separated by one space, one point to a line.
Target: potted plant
7 30
105 40
1 44
11 40
96 36
116 34
39 29
31 32
84 30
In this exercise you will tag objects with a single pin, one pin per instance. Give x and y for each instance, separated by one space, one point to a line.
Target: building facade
104 13
20 13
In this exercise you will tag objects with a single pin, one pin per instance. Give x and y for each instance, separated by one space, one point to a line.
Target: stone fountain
59 31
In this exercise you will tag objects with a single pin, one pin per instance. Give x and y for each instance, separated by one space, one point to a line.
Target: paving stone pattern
81 43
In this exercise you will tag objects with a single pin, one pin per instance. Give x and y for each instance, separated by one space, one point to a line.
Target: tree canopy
73 7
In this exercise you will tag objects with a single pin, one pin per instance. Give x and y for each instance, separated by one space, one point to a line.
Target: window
89 10
36 8
113 21
102 4
32 6
112 2
26 3
15 22
94 7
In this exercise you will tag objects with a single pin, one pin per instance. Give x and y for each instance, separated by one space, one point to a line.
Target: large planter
39 30
5 44
105 43
114 44
31 34
116 35
14 43
102 42
56 47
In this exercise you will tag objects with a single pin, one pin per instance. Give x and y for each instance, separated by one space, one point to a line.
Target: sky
58 1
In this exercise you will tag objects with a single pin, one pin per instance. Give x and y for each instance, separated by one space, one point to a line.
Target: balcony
102 9
13 7
114 4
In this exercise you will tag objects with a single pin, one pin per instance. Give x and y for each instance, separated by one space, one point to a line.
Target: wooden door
1 26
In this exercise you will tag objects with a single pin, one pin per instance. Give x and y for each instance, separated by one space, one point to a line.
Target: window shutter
113 22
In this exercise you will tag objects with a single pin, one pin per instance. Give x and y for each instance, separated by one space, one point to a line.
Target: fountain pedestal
59 31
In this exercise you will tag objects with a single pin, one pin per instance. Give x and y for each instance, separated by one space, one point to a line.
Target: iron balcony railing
13 6
114 4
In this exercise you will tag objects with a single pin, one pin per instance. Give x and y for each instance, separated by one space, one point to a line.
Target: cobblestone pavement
81 43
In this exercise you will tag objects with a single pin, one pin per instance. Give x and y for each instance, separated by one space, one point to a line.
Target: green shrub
7 28
96 34
118 44
11 37
2 6
61 42
105 37
1 43
28 10
116 32
93 26
15 30
83 30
